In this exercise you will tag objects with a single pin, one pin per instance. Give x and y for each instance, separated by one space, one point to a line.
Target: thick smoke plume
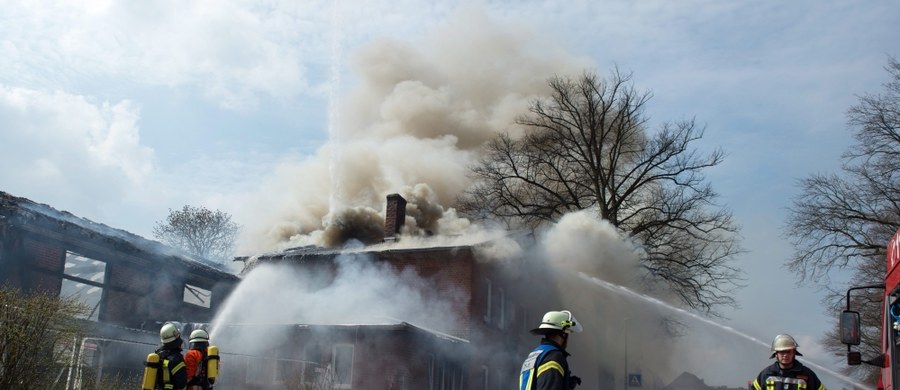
413 125
617 327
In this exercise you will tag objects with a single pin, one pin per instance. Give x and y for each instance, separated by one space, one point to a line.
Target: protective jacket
172 374
797 377
546 368
195 359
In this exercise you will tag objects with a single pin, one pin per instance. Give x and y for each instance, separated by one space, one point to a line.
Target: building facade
482 349
132 285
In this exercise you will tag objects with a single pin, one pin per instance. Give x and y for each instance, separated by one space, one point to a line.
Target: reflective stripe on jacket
553 373
172 374
798 377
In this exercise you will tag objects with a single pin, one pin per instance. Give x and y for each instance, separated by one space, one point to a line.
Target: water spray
627 292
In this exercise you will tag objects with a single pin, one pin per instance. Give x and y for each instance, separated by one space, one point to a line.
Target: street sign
634 380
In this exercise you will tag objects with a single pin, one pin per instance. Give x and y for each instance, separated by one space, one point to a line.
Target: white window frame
487 306
197 296
501 322
334 363
431 371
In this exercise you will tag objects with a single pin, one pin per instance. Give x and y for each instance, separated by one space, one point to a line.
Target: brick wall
449 272
395 214
44 262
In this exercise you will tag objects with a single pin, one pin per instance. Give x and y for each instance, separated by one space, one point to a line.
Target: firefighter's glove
574 381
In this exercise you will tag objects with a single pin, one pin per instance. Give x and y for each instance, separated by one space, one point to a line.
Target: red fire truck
890 324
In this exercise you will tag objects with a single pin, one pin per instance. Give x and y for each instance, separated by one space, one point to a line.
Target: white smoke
359 292
582 242
617 327
412 125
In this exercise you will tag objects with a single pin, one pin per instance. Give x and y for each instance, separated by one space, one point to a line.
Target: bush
38 333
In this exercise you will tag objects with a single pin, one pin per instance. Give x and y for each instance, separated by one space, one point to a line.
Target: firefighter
197 361
786 373
172 374
547 366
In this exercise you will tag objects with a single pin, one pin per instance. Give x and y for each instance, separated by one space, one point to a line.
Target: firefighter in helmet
786 373
196 360
547 366
171 374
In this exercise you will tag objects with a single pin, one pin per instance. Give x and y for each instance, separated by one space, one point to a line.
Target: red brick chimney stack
394 216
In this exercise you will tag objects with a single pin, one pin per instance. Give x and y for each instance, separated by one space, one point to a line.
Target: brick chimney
394 216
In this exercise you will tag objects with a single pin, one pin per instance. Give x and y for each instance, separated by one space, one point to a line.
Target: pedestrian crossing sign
634 380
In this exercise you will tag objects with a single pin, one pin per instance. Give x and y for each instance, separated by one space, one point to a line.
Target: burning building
379 316
131 284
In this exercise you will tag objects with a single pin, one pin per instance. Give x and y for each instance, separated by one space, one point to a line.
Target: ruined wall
137 287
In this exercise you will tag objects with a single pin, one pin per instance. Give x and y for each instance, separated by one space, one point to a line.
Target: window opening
197 296
83 279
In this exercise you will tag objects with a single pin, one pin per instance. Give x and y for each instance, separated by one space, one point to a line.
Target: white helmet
168 333
784 342
199 336
558 320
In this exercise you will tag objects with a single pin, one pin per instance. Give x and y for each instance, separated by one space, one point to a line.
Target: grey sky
120 111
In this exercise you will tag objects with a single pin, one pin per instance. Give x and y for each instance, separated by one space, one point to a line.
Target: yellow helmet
168 333
558 320
784 342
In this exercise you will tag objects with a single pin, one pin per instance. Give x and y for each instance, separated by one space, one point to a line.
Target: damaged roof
32 216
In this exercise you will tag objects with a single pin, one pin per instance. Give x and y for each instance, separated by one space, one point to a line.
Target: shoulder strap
531 364
163 377
201 366
544 348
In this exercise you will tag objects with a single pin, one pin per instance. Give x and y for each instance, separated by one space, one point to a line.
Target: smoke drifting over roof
362 292
412 125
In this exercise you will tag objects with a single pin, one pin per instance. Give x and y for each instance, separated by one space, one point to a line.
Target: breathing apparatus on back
209 367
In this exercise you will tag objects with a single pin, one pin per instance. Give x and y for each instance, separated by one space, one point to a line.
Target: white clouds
70 150
230 53
61 137
114 141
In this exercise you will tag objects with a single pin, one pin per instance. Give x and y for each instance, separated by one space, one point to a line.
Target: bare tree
587 147
37 335
200 231
843 221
